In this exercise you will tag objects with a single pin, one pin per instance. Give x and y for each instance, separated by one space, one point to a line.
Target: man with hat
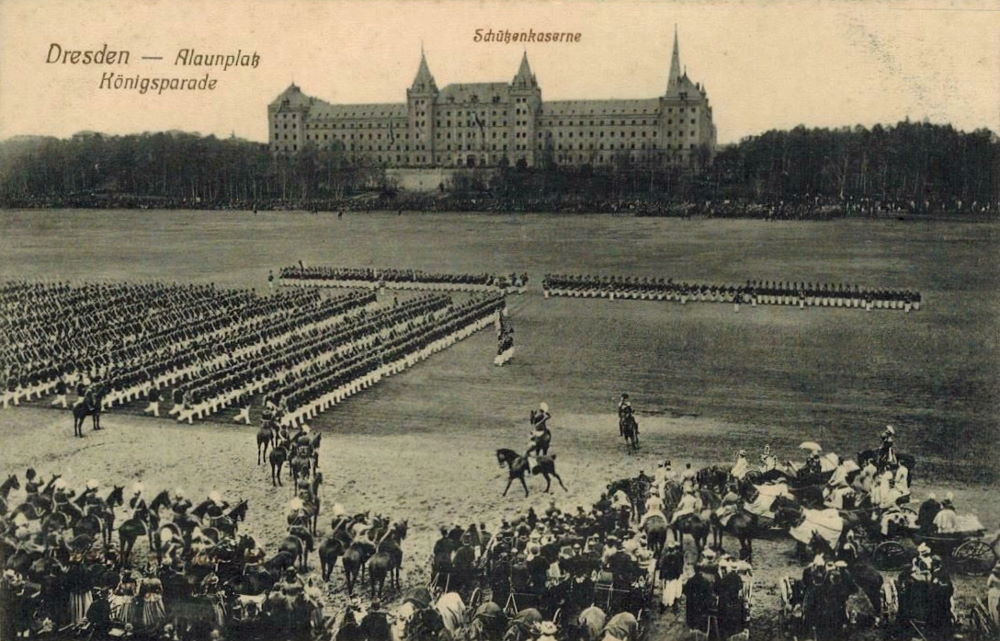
945 520
624 409
540 434
689 504
700 594
180 505
887 450
671 570
926 513
768 461
741 466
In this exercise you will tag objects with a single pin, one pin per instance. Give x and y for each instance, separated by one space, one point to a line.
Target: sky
766 66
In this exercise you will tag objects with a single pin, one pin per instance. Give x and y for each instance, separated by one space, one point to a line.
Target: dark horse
518 466
742 524
906 460
387 560
89 405
266 435
277 459
630 430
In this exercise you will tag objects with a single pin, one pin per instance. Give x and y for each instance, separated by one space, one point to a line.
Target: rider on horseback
180 506
654 507
624 406
887 450
690 503
540 435
731 504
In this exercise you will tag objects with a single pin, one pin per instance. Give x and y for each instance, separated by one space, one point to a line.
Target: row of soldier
324 275
752 292
192 328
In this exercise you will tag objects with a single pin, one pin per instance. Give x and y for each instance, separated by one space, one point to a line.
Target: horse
355 557
329 551
695 524
12 483
518 466
630 431
906 460
742 525
277 458
299 543
89 405
229 523
130 530
115 498
300 467
714 477
265 436
655 528
637 491
153 514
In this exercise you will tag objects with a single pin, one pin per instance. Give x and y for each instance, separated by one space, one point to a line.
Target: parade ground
706 380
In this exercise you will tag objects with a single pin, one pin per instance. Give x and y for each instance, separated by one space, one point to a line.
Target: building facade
502 123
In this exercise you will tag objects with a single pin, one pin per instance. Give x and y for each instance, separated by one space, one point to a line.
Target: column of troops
208 349
752 292
374 278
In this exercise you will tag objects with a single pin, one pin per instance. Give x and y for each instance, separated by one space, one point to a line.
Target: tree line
915 163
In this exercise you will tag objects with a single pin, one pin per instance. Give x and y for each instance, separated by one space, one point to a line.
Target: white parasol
812 446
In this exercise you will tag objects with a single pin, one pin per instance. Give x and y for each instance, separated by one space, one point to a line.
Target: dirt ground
705 380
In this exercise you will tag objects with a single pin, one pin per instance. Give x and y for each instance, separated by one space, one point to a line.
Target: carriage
792 591
636 598
963 552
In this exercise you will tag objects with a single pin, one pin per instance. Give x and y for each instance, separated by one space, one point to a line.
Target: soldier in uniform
180 506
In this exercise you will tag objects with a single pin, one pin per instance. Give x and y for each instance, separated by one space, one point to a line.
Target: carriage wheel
890 555
974 558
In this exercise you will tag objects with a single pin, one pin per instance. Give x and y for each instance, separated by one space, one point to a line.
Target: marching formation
753 292
207 350
372 278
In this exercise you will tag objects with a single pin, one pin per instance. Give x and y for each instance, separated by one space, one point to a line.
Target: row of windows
475 116
562 158
681 110
458 136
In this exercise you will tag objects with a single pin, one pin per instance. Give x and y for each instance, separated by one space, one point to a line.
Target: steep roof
423 81
321 109
293 94
600 107
481 92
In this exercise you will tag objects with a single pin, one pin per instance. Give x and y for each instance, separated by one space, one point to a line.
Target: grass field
706 381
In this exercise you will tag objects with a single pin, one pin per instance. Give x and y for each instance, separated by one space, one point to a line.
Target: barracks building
488 124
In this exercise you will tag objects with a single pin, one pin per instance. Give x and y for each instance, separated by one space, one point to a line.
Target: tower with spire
420 99
686 125
527 99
